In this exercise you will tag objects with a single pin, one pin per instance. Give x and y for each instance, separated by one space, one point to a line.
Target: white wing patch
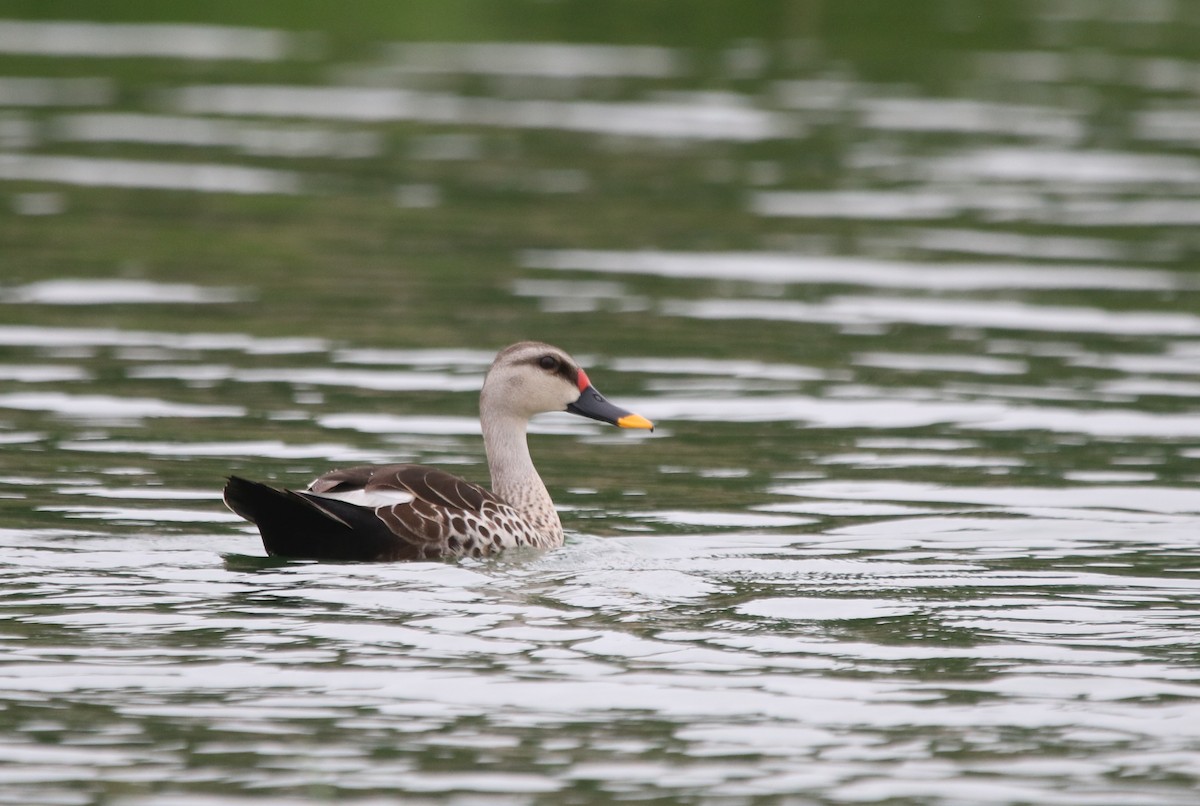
372 500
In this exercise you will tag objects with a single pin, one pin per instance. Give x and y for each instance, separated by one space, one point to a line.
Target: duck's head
530 377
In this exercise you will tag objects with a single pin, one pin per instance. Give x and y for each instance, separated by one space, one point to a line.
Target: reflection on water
91 172
852 310
556 59
768 267
719 118
274 141
110 407
108 292
206 42
56 91
919 328
89 338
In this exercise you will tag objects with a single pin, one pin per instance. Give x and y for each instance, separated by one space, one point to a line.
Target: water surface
911 297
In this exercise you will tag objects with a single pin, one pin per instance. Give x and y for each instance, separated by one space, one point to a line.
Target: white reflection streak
554 59
272 449
153 515
971 117
56 91
1163 500
942 313
384 380
786 267
986 242
886 412
1060 166
44 373
857 204
713 120
196 42
108 406
444 358
286 141
722 368
1128 213
1168 125
917 362
33 336
203 177
107 292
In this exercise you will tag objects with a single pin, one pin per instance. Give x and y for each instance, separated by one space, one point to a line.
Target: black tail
297 526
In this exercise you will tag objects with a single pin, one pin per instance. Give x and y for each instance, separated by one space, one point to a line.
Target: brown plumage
413 512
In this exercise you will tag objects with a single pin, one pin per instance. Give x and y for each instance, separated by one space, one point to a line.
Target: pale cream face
530 378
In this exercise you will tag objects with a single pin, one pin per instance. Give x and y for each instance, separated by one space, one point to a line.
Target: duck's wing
378 512
436 513
390 485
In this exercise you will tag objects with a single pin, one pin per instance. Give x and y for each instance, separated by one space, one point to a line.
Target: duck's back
381 513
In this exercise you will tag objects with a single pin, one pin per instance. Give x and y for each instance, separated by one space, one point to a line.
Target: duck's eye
548 362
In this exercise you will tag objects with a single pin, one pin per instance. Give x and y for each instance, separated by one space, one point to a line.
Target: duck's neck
514 478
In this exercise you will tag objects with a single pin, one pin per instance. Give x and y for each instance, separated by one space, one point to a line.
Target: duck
399 512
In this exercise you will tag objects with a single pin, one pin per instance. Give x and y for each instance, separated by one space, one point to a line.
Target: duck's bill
592 404
635 421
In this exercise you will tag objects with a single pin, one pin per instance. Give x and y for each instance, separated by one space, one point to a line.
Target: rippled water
921 334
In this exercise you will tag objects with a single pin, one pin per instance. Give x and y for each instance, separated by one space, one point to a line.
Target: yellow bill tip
635 421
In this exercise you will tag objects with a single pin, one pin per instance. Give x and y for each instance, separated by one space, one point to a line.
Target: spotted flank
412 512
455 517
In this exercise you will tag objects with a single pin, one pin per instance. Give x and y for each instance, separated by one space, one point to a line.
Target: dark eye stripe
564 369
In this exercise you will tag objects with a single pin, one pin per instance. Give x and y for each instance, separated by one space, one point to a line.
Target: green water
909 290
